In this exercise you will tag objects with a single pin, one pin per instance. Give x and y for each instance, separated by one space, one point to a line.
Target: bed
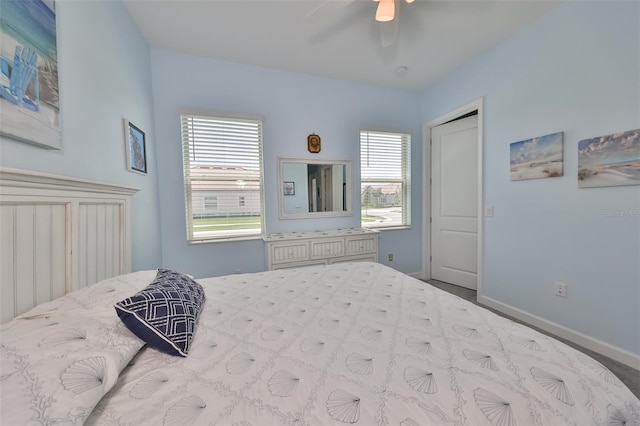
353 343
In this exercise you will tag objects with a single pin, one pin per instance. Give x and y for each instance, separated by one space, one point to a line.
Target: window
222 159
385 179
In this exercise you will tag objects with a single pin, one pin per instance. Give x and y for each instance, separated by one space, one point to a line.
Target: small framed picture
313 143
135 145
289 188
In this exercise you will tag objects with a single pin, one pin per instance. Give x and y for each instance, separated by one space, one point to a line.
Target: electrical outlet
488 211
390 257
561 290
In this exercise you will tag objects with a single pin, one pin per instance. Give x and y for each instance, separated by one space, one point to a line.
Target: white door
314 198
327 199
454 201
337 188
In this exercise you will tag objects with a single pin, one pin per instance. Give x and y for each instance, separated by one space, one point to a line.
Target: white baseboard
603 348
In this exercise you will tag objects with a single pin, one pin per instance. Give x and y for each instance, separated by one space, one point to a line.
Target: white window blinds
385 177
222 158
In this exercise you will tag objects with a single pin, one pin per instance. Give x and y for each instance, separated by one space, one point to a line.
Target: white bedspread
363 344
60 358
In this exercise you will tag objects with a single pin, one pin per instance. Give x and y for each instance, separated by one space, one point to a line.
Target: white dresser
293 249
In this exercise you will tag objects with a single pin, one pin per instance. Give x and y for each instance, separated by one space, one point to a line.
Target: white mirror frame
307 214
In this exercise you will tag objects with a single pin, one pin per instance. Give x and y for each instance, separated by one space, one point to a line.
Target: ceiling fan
385 15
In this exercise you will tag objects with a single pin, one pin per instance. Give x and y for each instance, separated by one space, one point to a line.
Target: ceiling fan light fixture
409 1
386 11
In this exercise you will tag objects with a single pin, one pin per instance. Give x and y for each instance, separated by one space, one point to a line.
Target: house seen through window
210 203
222 163
385 179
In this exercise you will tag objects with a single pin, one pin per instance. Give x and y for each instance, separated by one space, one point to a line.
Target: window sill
390 228
225 240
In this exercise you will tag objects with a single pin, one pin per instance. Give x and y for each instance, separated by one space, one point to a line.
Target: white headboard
58 234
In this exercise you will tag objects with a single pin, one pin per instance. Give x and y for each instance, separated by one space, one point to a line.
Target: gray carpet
628 375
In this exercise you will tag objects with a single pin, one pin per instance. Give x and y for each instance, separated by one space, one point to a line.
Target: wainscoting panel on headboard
100 253
38 233
58 234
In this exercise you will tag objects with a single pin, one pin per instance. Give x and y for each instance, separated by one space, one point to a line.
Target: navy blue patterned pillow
165 313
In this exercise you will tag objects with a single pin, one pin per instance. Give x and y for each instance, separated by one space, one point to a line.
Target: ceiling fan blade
389 32
327 9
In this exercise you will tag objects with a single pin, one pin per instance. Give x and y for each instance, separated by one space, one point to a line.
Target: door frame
426 185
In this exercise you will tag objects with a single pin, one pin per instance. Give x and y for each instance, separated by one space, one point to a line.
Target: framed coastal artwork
29 93
136 148
610 160
536 158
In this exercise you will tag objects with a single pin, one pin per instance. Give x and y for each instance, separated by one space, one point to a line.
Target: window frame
404 179
188 181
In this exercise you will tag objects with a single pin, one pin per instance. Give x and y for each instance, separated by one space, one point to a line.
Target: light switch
488 211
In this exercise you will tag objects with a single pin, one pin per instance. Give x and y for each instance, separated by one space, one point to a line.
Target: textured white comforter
363 344
60 358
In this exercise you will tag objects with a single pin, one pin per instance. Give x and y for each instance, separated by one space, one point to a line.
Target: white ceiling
341 40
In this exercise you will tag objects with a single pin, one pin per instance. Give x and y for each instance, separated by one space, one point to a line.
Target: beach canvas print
29 72
610 160
537 158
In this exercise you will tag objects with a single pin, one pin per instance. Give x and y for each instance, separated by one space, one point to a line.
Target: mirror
299 179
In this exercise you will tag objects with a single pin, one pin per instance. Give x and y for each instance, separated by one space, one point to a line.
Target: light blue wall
293 106
574 70
104 70
298 202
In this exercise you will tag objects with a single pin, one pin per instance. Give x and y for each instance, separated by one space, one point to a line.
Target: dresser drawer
296 249
323 249
361 245
289 252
